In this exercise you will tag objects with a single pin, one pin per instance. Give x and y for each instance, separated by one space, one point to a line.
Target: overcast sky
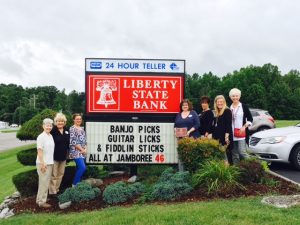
46 42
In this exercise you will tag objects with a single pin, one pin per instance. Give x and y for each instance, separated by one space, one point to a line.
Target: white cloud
45 43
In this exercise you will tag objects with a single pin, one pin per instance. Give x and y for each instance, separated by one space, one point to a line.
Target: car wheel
295 157
263 128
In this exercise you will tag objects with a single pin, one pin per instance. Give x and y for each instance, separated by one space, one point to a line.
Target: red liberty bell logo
106 88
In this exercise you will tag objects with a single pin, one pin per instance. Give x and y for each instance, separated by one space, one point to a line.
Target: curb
282 177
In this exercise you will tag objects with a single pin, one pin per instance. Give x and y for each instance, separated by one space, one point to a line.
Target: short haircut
47 121
75 115
60 117
205 99
235 91
188 102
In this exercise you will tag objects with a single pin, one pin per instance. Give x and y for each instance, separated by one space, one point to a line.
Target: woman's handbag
181 132
238 133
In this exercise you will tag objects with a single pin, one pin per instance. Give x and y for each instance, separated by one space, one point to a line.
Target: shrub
171 185
216 176
121 192
65 196
270 182
92 172
151 170
166 175
27 157
195 152
68 177
27 182
32 128
116 167
81 192
252 171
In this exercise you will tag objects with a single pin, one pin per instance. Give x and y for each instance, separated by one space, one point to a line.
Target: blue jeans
80 169
239 151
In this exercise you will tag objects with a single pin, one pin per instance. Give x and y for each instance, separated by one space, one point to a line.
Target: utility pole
34 99
20 113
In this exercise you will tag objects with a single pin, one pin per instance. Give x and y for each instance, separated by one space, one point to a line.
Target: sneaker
45 206
132 179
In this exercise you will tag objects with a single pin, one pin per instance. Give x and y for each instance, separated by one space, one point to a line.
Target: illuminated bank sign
131 105
132 65
136 94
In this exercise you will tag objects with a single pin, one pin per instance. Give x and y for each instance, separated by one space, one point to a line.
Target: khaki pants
57 175
44 181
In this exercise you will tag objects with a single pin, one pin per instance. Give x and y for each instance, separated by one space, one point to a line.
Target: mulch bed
253 189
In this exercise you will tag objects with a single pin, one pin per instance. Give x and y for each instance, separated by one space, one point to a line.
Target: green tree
76 102
32 128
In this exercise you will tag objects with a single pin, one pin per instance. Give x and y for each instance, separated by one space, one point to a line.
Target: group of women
54 145
229 125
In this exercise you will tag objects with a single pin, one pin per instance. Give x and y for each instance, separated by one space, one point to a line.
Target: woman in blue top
188 118
78 147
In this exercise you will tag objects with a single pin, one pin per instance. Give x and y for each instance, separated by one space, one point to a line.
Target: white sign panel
131 143
135 65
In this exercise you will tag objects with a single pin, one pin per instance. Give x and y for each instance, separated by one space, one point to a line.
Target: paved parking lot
286 170
9 140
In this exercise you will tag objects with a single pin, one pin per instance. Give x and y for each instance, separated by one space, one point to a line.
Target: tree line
18 104
262 87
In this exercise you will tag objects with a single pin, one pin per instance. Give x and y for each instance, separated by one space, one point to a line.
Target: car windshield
298 125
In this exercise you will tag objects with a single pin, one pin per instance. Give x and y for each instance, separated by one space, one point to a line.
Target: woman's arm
195 120
196 123
40 156
210 122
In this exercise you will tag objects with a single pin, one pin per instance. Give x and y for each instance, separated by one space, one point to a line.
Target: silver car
262 120
277 145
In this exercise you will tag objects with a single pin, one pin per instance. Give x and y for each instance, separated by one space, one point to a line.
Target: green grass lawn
240 211
10 166
286 123
9 131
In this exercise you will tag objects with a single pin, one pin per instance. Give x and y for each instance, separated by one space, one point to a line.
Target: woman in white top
44 162
241 120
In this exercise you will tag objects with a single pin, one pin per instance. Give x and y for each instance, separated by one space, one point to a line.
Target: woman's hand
188 133
242 130
43 167
227 139
83 151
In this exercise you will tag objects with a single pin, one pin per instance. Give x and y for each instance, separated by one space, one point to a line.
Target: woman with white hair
44 162
61 138
222 130
241 120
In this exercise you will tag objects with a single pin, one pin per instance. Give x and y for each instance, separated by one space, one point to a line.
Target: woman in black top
222 129
61 138
206 117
